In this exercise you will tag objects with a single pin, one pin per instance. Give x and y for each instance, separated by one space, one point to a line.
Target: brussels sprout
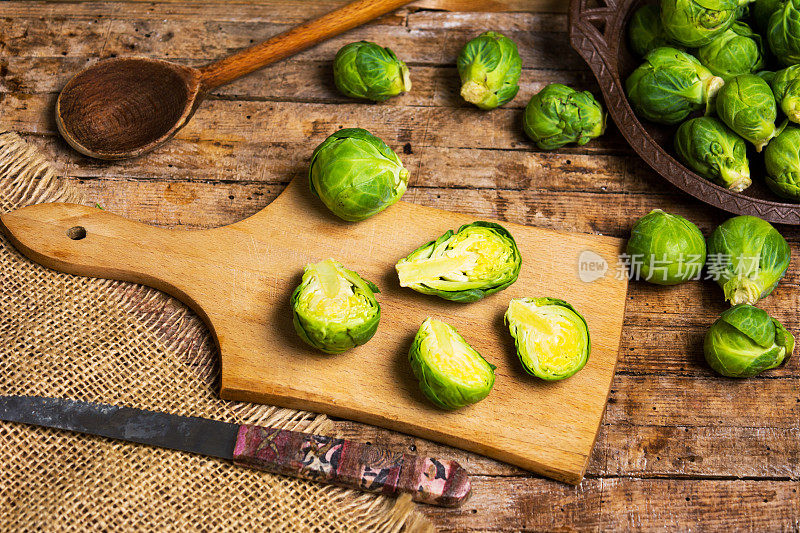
783 32
745 341
786 88
666 249
552 338
695 23
782 159
766 75
748 257
558 115
334 309
645 31
712 150
450 372
737 50
746 104
670 85
356 175
761 11
478 260
489 66
366 70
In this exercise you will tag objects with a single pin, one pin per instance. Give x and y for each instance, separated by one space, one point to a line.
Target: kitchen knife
319 458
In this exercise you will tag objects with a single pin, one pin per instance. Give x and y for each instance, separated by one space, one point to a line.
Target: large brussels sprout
761 11
552 338
489 66
748 257
694 23
356 175
670 85
478 260
712 150
745 341
451 373
666 249
783 32
737 50
786 88
746 104
645 31
558 115
369 71
782 160
334 309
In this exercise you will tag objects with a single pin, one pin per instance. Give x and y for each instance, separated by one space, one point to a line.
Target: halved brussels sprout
552 338
670 85
489 66
666 249
694 23
737 50
369 71
451 373
748 257
786 87
558 115
712 150
478 260
334 309
746 104
783 32
645 31
745 341
356 175
782 161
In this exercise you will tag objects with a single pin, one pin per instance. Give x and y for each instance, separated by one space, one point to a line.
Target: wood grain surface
679 448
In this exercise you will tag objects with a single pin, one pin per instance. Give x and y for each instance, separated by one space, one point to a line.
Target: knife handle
351 464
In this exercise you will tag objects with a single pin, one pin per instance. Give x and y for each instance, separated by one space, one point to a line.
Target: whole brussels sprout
666 249
786 88
333 308
737 50
478 260
558 115
745 341
670 85
356 175
783 32
369 71
645 31
746 104
552 338
694 23
712 150
451 373
748 257
489 66
761 11
782 159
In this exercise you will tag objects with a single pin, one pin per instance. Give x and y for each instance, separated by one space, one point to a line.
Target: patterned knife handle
351 464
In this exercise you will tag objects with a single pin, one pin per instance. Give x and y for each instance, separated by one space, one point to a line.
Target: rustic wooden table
679 448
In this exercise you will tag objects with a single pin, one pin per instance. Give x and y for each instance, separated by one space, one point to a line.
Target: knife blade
341 462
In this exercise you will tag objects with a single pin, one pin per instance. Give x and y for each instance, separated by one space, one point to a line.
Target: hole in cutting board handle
76 233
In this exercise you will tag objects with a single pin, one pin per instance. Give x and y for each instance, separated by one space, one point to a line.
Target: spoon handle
293 41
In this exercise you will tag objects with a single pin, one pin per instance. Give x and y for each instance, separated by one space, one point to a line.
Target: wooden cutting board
239 278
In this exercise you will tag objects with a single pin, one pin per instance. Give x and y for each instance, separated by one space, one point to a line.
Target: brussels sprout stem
741 291
406 79
735 181
711 87
474 93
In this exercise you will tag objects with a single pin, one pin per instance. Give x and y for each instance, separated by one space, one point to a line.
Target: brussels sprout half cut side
451 373
552 338
479 259
333 308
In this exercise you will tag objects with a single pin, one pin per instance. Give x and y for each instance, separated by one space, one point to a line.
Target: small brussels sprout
670 85
737 50
745 341
748 257
356 175
645 31
783 32
786 88
552 338
761 11
712 150
558 115
746 104
366 70
478 260
782 161
666 249
451 373
694 23
489 66
334 309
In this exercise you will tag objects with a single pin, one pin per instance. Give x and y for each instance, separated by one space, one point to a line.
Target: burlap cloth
124 344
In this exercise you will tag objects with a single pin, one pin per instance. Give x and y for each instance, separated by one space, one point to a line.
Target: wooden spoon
124 107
